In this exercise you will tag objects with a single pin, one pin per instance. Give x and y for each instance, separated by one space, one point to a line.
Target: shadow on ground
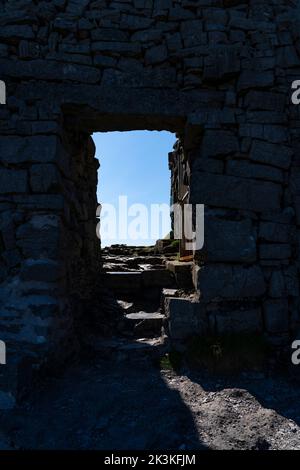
107 405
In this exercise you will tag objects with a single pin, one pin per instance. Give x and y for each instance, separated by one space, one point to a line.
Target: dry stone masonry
216 72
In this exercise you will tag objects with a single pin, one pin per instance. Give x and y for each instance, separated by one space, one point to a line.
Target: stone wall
217 72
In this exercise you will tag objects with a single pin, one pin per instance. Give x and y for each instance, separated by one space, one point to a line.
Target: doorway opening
134 186
140 258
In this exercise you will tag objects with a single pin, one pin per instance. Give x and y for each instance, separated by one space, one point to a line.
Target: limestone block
40 236
229 241
129 48
275 251
156 54
276 316
271 154
254 79
44 270
247 169
218 143
44 178
267 100
272 232
185 318
13 181
277 287
234 192
239 321
225 281
16 31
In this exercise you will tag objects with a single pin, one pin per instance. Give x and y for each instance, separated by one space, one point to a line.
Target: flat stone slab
157 278
182 271
145 316
124 281
179 266
146 324
170 292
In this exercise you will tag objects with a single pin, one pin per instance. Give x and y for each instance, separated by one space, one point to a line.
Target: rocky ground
122 394
131 403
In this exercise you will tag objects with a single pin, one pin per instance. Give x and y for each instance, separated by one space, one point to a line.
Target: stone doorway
134 281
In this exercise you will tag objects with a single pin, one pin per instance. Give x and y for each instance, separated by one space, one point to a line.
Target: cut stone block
124 281
276 315
224 281
185 318
145 324
234 192
182 272
157 278
239 321
229 241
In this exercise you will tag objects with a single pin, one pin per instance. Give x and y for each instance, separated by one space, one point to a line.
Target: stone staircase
136 281
136 277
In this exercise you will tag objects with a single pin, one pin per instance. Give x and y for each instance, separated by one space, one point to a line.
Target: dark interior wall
219 73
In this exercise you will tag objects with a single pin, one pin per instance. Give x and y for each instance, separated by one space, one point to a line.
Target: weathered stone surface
16 31
44 178
43 70
151 77
253 79
275 251
53 202
276 316
239 321
271 154
247 169
124 282
134 22
222 62
157 278
291 277
13 181
272 232
43 149
267 100
225 281
214 73
44 270
40 237
219 143
230 191
7 401
182 272
229 241
156 55
185 318
277 288
129 48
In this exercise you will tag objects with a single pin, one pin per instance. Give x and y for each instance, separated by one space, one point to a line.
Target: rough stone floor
118 396
124 404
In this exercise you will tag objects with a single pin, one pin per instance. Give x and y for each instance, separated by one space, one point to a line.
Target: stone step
128 349
157 278
182 271
137 281
144 323
124 282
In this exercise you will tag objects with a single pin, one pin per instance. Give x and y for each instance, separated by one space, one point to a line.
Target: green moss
171 361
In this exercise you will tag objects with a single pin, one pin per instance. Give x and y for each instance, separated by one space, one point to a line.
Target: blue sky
133 164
